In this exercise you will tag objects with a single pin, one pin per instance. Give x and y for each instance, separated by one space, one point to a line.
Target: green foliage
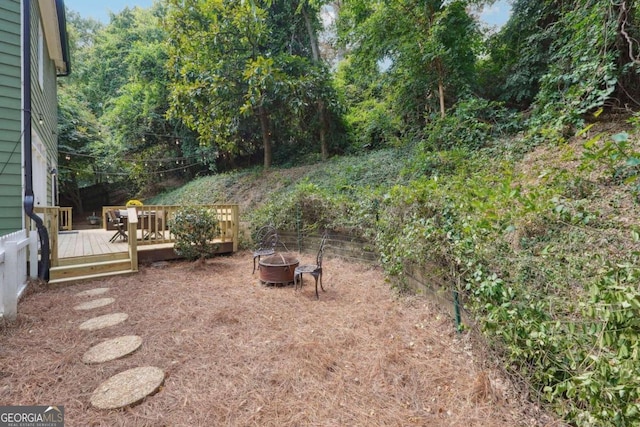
472 123
370 120
518 55
524 258
583 71
306 208
428 48
242 75
372 125
195 229
120 78
618 155
77 128
604 382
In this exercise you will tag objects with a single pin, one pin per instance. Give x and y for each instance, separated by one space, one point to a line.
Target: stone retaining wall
338 245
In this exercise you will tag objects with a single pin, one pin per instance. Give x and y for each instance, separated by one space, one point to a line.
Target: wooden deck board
89 242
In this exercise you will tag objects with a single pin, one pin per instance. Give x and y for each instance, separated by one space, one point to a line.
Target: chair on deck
314 269
267 238
118 223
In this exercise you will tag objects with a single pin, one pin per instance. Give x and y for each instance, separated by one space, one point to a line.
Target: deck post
132 232
53 225
236 226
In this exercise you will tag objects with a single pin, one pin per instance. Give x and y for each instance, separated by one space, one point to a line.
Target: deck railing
154 221
65 218
51 218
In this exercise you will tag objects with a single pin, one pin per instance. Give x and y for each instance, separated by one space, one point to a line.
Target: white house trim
50 17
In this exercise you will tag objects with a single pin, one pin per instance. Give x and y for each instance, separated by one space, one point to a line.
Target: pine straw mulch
239 353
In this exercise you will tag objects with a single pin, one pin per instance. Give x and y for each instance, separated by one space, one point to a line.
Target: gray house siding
10 118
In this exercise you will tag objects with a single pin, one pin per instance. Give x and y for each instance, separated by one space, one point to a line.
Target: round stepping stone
104 321
112 349
92 292
89 305
127 388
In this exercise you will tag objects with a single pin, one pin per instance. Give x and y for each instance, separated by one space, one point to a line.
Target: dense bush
195 229
471 124
540 270
372 125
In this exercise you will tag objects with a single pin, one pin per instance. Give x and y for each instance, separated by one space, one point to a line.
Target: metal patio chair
118 223
314 269
267 238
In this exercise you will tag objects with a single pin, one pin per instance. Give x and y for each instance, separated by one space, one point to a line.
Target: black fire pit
277 269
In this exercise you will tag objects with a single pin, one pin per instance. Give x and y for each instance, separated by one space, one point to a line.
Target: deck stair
90 267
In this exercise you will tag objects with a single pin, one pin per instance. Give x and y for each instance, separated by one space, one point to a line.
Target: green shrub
195 228
372 125
470 124
618 156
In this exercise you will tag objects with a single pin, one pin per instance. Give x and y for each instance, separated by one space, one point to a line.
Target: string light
111 173
129 159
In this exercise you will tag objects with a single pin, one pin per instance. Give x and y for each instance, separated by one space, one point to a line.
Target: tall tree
237 67
519 53
78 127
427 47
310 11
77 130
153 145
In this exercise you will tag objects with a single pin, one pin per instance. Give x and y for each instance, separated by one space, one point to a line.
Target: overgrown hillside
254 189
541 243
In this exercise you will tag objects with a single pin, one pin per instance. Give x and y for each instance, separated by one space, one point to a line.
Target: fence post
3 269
11 280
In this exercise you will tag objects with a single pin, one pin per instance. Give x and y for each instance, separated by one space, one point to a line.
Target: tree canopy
243 73
199 86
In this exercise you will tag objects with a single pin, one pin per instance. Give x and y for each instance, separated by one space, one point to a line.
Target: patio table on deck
152 223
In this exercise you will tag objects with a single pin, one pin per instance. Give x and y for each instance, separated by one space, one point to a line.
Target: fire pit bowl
277 269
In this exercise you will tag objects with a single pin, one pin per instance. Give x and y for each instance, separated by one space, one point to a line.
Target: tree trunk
322 113
266 136
324 149
440 87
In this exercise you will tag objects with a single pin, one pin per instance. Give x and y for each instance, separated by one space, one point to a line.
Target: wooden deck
95 242
79 243
89 253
